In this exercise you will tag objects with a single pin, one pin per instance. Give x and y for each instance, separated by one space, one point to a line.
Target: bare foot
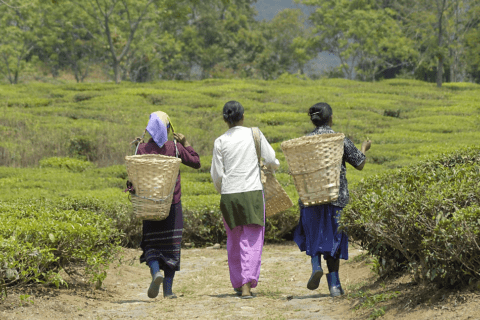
246 290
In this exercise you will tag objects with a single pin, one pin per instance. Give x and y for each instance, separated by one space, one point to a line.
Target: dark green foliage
74 165
84 147
205 225
392 113
156 99
38 239
29 103
424 217
83 96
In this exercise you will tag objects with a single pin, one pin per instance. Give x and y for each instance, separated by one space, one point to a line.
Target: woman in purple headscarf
161 240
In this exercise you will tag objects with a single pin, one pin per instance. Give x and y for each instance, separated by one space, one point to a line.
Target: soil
204 292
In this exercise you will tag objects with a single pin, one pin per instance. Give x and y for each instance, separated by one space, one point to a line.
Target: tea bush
98 120
424 217
74 165
74 184
39 239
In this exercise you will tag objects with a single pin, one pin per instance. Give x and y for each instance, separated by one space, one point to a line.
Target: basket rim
144 158
320 138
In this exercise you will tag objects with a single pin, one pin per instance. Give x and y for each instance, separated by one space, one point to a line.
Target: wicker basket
315 164
276 199
154 177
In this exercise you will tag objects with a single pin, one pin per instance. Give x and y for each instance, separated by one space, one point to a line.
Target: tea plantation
62 171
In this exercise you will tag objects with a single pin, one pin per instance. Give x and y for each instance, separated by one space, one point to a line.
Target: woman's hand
181 138
366 145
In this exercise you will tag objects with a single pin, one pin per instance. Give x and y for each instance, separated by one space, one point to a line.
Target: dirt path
203 289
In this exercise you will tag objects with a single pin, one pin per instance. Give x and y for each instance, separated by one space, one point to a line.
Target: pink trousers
244 247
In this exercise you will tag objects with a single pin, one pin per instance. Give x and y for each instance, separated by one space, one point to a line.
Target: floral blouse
351 155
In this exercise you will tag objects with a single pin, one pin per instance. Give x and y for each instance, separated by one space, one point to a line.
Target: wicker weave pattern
276 199
315 164
153 176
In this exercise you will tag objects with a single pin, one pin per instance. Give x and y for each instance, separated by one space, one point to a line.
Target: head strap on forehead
164 118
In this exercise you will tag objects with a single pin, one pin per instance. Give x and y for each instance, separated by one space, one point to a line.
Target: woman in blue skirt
317 231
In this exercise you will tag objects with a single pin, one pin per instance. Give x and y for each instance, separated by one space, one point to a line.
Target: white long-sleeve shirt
235 164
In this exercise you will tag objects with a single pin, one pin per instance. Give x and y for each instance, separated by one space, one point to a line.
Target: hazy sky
267 9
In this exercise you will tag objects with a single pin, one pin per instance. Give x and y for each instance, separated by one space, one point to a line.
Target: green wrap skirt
244 208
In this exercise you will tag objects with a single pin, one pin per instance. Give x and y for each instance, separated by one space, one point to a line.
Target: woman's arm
365 147
352 155
268 154
186 152
216 170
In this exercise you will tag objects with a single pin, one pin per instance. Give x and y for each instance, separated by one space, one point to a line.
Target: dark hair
232 112
320 113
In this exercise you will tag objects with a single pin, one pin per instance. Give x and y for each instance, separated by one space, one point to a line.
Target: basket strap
258 149
141 141
176 149
258 145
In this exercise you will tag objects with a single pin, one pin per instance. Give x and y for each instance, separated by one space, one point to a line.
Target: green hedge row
39 239
424 218
74 184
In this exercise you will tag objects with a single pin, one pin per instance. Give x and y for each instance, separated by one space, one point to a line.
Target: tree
226 35
438 29
119 20
364 36
17 37
67 38
472 47
287 44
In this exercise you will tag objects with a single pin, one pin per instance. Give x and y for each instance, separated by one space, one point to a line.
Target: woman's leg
317 273
156 279
233 252
168 283
333 265
244 248
333 278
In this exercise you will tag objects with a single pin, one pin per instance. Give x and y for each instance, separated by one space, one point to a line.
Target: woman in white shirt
236 175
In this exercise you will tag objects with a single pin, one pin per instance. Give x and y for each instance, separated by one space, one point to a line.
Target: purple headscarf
157 128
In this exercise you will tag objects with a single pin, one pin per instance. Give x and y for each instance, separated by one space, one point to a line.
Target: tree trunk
440 71
440 43
118 72
75 71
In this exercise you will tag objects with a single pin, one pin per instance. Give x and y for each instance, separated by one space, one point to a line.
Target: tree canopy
143 40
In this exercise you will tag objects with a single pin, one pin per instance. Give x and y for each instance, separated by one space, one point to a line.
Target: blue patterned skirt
317 232
161 240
